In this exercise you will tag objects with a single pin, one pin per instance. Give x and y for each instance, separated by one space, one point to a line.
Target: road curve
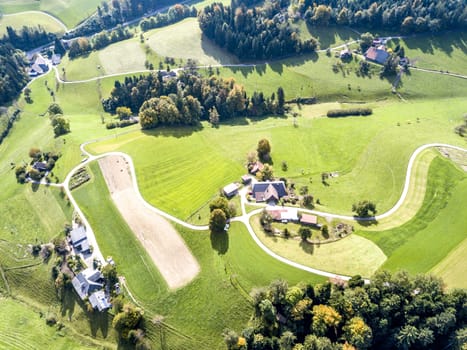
245 218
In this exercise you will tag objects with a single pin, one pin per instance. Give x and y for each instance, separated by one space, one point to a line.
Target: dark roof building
376 55
41 166
268 191
87 282
99 301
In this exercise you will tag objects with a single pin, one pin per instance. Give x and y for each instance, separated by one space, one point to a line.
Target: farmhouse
41 166
269 192
308 219
87 282
39 66
99 301
79 240
377 55
283 214
230 190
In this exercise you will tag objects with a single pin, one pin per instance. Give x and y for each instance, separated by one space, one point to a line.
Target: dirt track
164 245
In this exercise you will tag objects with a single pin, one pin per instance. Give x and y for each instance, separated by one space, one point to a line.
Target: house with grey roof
87 282
79 239
100 301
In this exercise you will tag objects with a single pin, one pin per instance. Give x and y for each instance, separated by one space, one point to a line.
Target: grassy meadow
69 12
17 21
230 266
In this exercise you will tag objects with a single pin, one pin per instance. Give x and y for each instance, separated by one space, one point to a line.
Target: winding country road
244 218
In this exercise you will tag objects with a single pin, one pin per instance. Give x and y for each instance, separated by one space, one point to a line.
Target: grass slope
452 268
70 12
437 229
196 314
17 21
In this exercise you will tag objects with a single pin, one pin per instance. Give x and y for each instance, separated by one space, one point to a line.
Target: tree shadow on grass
370 221
178 132
307 247
68 303
220 242
99 321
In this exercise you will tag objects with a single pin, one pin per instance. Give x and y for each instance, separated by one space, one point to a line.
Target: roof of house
246 178
267 191
56 58
376 55
230 189
309 219
258 166
40 166
78 234
99 300
279 214
86 282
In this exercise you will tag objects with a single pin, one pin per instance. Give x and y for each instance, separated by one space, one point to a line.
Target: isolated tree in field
123 112
54 109
60 125
264 150
280 100
364 208
217 220
308 201
304 233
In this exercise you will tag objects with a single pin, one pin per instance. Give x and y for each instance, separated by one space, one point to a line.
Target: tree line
254 33
27 38
175 14
187 98
407 16
115 12
83 45
391 312
13 74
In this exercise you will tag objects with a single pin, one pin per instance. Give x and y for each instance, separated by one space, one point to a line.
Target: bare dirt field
167 249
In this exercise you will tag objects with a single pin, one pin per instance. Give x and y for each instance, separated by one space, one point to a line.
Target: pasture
69 12
184 40
210 158
232 264
350 256
38 19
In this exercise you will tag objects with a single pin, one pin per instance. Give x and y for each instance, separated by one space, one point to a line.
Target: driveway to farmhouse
166 248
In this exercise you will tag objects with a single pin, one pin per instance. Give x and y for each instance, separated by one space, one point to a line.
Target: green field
436 230
452 268
202 161
221 288
184 40
17 21
69 12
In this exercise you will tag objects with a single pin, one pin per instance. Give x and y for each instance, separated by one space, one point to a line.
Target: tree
217 220
364 208
322 15
123 113
214 116
358 333
325 318
35 153
287 340
280 100
126 320
230 338
304 233
267 173
366 39
61 126
58 47
54 109
264 150
221 203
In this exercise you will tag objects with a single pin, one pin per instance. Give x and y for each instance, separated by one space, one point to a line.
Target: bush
334 113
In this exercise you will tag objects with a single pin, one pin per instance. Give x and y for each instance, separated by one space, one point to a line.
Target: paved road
245 218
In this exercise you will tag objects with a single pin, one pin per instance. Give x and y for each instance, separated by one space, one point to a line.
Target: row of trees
13 75
256 33
176 13
83 46
188 98
408 16
27 38
112 13
392 312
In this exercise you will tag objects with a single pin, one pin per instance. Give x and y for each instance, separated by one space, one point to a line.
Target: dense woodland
13 75
187 98
399 15
27 38
392 312
254 33
115 12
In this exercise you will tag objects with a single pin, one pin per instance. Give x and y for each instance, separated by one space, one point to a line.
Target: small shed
308 219
230 190
246 179
41 166
99 301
